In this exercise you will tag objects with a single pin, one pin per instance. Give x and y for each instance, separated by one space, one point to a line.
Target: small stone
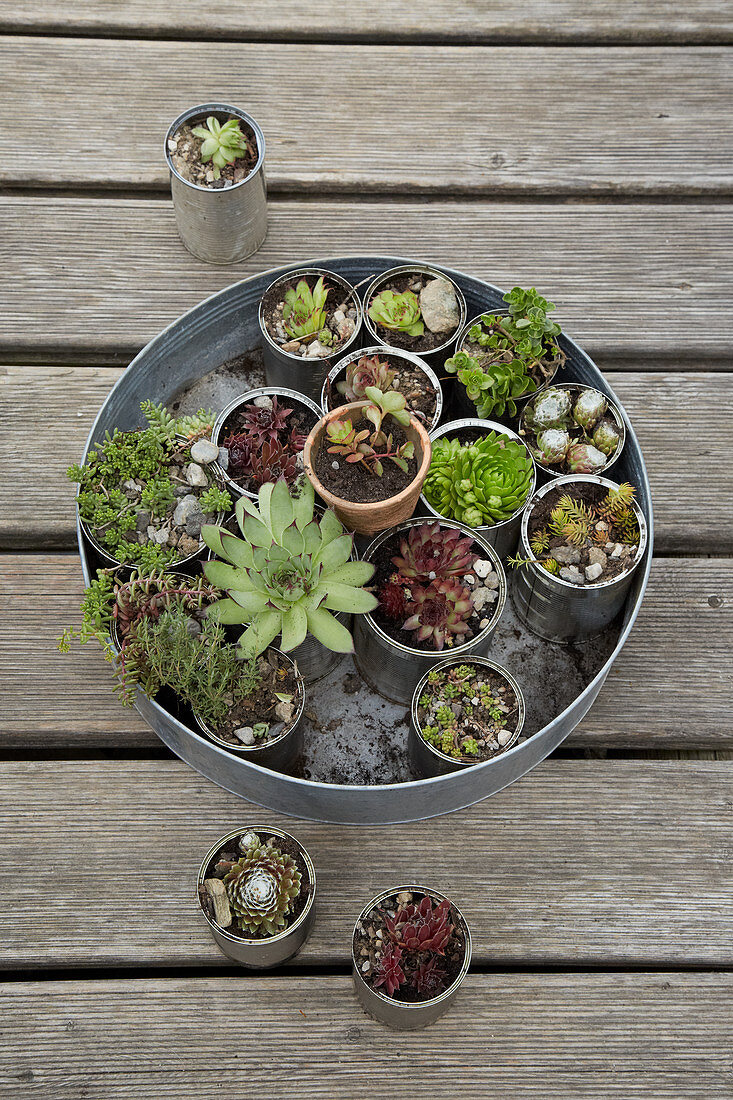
284 710
404 897
593 572
570 573
317 350
483 624
217 891
597 557
195 475
224 458
617 550
504 737
365 966
335 465
292 346
482 568
131 489
339 315
263 402
345 328
566 555
245 734
184 509
187 546
469 579
172 145
480 597
204 451
439 306
161 536
143 520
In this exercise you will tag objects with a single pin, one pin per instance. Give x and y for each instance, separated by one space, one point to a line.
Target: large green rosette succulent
479 484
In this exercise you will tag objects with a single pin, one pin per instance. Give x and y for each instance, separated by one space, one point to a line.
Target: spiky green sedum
261 887
304 314
288 572
479 483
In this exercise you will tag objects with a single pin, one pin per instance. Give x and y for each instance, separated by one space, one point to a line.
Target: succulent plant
261 422
552 446
304 314
372 448
551 409
369 370
399 312
479 483
439 614
584 458
389 972
261 887
606 437
492 387
589 407
287 573
393 600
430 551
422 927
223 142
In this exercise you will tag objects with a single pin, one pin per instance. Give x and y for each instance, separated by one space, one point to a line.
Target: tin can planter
463 404
403 1010
564 432
393 668
369 518
505 535
220 225
286 366
303 404
282 749
434 347
557 609
396 359
429 760
258 882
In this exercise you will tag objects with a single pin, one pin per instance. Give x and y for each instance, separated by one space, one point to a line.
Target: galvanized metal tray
355 768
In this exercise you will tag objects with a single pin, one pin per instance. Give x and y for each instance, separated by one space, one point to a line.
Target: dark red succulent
392 600
389 972
440 613
271 462
261 422
240 448
429 978
430 552
421 927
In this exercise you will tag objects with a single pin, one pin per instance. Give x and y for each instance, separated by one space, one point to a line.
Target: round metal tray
355 769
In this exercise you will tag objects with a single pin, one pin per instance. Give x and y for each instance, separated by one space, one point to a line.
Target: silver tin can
502 536
437 354
392 353
556 609
260 954
428 761
463 403
393 669
282 751
408 1015
575 389
246 399
284 368
224 224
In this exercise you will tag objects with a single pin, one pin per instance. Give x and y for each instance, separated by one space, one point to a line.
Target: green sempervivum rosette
399 312
288 572
261 887
479 484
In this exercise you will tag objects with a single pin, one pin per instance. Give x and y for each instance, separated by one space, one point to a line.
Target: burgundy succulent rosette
412 959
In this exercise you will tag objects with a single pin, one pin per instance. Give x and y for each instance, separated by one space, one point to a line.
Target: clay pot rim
363 508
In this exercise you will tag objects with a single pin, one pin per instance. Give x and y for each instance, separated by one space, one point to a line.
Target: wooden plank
470 21
670 687
649 1036
101 277
586 865
593 133
37 508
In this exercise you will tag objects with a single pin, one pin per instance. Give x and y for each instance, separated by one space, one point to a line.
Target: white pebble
482 568
263 402
195 475
593 572
204 451
504 737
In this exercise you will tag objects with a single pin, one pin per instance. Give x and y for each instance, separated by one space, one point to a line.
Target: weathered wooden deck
581 147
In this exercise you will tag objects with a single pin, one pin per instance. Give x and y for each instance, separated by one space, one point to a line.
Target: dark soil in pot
184 149
230 853
428 340
426 975
485 712
248 465
264 706
353 481
341 317
419 392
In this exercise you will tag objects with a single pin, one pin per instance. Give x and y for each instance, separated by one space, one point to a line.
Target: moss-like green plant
304 315
222 143
287 573
398 312
479 483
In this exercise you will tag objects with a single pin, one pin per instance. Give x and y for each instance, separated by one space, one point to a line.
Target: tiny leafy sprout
469 746
372 448
398 312
425 701
304 315
222 142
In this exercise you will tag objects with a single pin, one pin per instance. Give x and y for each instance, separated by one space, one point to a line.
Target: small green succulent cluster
507 356
222 143
460 713
305 315
262 887
287 573
481 483
371 449
140 459
571 435
368 370
397 312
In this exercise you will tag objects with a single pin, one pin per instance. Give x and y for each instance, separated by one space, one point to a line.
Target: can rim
420 269
214 108
395 353
298 272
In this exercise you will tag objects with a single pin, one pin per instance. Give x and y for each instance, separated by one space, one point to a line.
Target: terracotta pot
369 519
